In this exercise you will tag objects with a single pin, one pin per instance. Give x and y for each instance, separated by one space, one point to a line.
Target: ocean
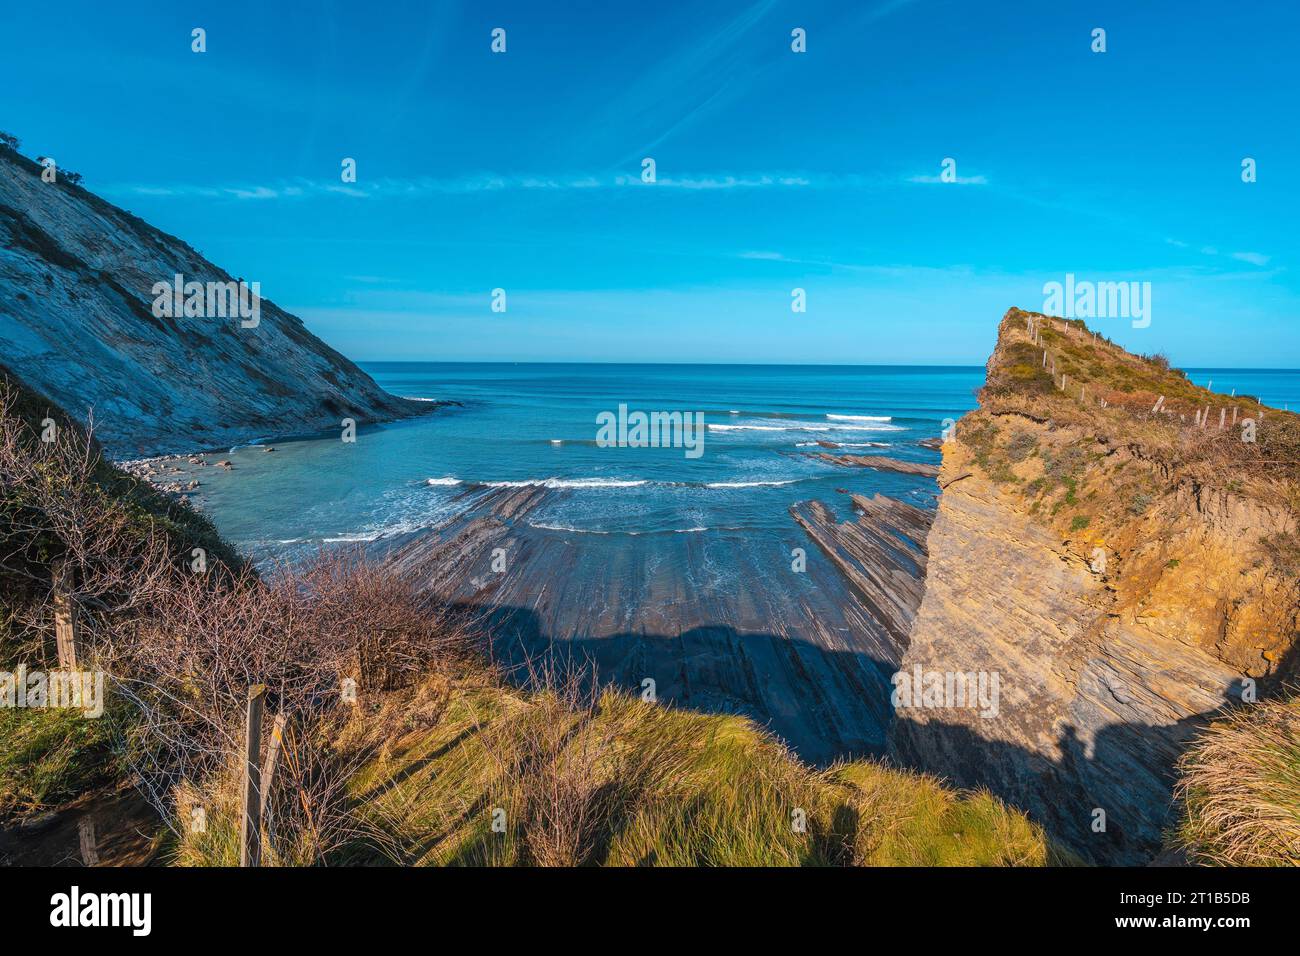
522 423
537 424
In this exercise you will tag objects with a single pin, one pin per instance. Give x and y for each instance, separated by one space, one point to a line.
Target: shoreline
179 482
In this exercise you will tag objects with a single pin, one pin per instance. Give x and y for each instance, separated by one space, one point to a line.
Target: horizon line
374 361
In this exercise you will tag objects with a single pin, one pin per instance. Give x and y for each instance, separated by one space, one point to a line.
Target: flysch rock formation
718 621
77 324
878 462
1116 620
1093 710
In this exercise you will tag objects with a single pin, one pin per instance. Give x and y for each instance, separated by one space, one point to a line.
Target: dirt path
104 829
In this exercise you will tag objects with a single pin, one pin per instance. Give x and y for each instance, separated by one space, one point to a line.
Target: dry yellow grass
1240 789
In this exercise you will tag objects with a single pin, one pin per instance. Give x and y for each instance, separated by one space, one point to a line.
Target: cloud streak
414 188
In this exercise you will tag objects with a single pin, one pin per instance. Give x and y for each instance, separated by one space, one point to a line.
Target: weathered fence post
67 631
89 846
272 757
67 626
250 823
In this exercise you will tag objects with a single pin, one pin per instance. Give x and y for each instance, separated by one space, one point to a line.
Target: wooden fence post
67 631
250 823
86 837
67 623
272 757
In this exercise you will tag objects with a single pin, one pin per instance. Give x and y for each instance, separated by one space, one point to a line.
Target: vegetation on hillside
1112 395
474 772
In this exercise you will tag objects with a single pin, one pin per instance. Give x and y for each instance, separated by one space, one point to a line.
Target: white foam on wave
767 428
564 527
251 443
861 418
569 483
845 444
375 533
749 484
442 481
805 427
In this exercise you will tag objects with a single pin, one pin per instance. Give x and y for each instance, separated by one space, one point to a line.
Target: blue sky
775 170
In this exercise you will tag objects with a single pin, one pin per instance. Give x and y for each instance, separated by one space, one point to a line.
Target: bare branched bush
181 641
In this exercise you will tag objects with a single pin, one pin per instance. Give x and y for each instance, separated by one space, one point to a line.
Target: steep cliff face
77 323
1125 574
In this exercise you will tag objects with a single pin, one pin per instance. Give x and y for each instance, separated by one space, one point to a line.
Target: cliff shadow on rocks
825 705
1109 800
829 705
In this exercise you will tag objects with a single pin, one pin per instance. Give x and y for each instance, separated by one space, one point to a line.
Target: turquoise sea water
537 423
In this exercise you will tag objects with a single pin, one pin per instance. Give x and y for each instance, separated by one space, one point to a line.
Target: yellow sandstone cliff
1124 565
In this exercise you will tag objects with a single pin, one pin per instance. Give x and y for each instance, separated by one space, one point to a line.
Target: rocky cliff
77 322
1122 562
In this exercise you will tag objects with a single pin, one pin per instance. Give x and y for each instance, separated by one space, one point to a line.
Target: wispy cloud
1254 258
958 181
486 183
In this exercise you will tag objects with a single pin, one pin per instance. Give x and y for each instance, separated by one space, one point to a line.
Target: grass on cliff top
506 778
1240 789
1131 385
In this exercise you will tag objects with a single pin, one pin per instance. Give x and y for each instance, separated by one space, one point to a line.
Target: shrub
1140 502
1240 789
1021 445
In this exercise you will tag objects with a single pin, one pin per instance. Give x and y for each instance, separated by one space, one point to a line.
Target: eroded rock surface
76 323
1077 555
718 620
